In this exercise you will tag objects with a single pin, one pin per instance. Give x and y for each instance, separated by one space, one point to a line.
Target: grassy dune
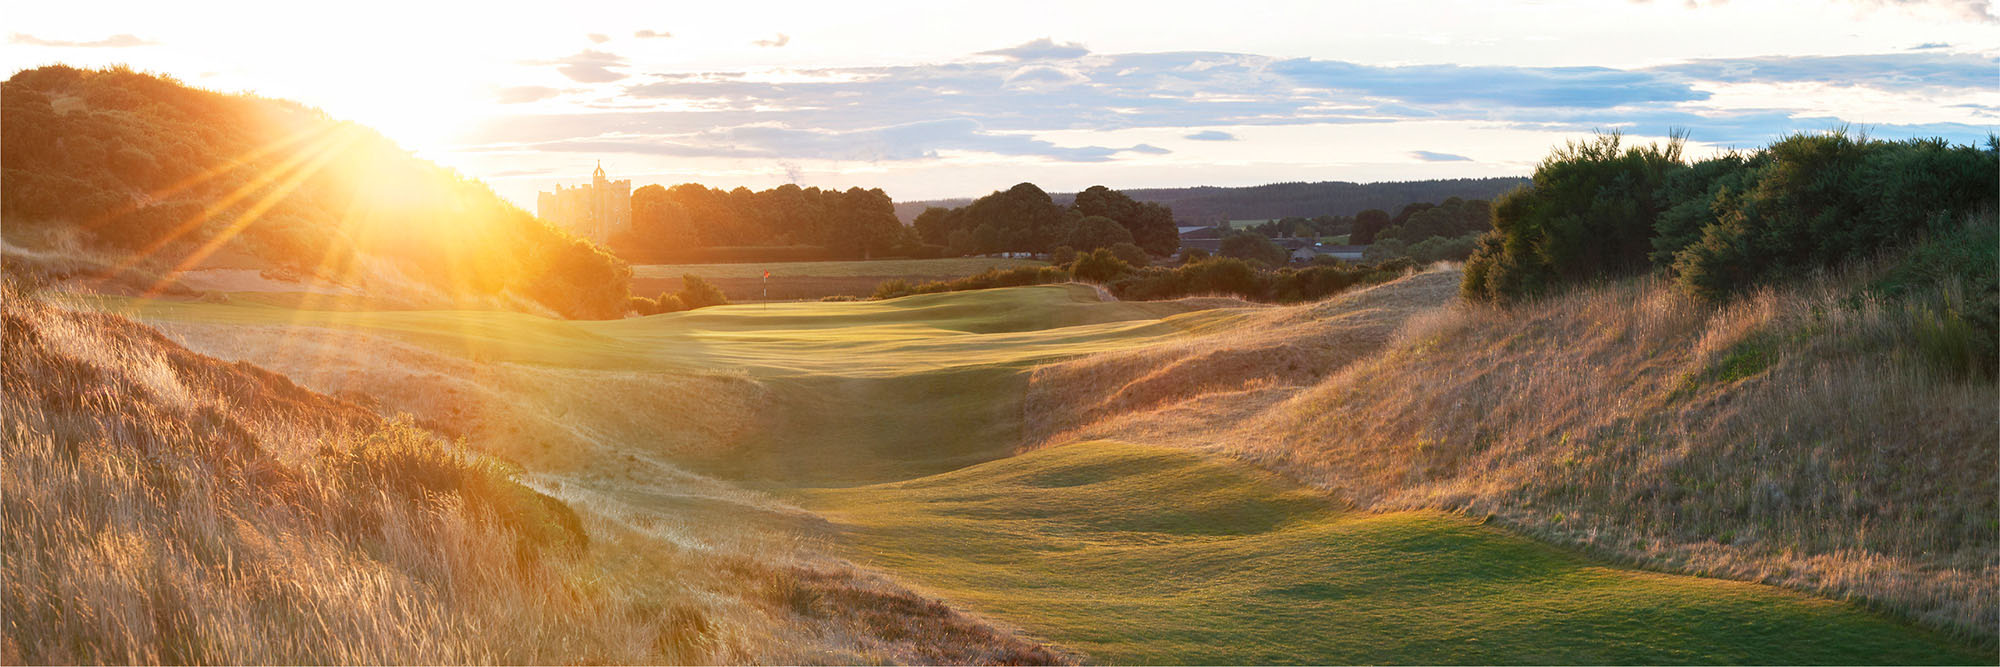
1147 555
900 420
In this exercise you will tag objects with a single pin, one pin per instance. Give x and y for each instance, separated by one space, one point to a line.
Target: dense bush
1132 254
1253 247
1717 226
1099 266
698 293
1589 211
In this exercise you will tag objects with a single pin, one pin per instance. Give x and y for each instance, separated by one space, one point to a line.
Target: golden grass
1793 436
164 506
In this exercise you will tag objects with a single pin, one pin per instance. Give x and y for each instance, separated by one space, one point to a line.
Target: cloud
910 141
1149 149
652 34
1588 87
523 94
587 66
999 105
1888 71
1040 49
782 40
117 41
1429 156
1930 45
599 38
1044 74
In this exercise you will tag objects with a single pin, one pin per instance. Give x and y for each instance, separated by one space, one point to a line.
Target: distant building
595 211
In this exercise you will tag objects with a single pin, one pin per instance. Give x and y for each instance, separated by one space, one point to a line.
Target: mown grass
1147 555
875 268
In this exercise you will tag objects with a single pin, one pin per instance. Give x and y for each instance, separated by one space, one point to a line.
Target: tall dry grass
1798 436
352 539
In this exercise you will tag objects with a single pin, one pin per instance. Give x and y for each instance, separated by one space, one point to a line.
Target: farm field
895 425
795 281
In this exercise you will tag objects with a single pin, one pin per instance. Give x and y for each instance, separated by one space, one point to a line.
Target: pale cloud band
997 105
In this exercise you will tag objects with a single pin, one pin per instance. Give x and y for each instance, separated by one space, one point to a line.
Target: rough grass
1150 555
163 506
1800 436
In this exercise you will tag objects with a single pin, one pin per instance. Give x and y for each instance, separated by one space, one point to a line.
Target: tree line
1024 218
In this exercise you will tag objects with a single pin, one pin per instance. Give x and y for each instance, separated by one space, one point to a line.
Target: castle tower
596 211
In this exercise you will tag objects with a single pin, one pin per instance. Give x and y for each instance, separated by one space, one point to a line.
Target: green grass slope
1138 554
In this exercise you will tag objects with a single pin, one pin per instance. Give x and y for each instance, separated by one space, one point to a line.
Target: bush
643 305
1132 254
1062 255
1811 200
1253 247
1100 266
671 303
1589 212
892 288
698 293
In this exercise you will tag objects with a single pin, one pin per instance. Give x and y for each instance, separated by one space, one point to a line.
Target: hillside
1207 204
958 442
137 180
1799 436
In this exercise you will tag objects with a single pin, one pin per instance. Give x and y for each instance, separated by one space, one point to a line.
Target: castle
595 211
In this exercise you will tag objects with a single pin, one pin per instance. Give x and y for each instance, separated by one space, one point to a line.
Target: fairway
942 267
898 421
812 281
1146 555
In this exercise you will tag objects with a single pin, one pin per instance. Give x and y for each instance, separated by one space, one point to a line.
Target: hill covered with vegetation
132 174
1212 204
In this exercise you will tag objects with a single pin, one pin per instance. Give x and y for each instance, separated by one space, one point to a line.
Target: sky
939 99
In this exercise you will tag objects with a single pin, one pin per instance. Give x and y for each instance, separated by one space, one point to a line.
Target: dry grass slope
164 506
1794 436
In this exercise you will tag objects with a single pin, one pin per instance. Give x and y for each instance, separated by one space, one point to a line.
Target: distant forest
1210 204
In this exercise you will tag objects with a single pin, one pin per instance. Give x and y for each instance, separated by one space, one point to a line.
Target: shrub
698 293
669 303
1590 211
1132 254
1062 255
1100 266
643 305
1253 247
892 288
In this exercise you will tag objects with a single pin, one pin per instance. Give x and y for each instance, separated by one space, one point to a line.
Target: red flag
767 275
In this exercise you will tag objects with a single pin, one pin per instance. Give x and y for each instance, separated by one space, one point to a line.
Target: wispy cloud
1000 106
652 34
1040 49
1429 156
599 38
524 94
781 40
1926 46
588 66
118 41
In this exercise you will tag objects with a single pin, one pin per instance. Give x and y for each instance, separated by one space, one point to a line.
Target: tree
1253 247
1097 231
1367 224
